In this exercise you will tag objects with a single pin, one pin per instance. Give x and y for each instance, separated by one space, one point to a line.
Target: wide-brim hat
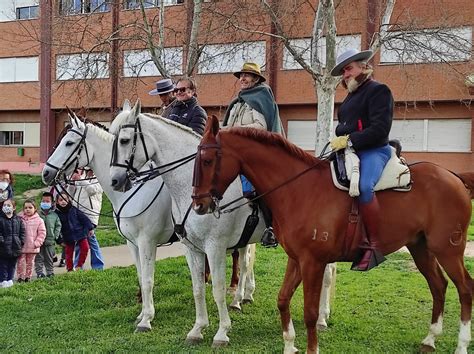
347 57
250 68
162 87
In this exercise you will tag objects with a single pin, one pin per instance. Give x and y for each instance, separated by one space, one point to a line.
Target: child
53 228
35 233
75 228
12 235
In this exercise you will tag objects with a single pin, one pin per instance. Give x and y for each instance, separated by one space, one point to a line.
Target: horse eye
124 141
207 162
69 143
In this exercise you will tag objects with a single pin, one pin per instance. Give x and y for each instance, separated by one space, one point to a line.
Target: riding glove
339 142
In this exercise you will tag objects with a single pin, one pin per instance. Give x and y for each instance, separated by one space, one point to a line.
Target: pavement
120 256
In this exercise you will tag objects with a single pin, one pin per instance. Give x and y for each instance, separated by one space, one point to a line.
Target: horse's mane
101 131
121 118
276 140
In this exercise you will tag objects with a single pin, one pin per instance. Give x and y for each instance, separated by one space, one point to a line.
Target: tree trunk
325 120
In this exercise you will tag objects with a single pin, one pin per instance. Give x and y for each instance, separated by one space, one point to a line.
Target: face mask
7 209
45 205
3 185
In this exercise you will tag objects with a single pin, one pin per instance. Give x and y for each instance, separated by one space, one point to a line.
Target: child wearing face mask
12 234
35 233
44 259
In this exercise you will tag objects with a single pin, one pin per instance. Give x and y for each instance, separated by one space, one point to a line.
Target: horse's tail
468 179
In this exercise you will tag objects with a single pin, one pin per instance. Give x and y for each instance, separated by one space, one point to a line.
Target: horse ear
126 105
82 113
213 124
72 116
137 109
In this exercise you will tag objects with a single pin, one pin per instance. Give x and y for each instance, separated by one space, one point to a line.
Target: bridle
137 132
213 193
74 156
216 196
131 171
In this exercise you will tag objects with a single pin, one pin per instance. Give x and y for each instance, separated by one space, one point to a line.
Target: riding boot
268 238
371 256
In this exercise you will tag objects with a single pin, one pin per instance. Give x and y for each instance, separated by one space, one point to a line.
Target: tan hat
251 68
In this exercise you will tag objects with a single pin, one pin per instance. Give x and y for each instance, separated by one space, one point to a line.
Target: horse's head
213 172
70 153
129 150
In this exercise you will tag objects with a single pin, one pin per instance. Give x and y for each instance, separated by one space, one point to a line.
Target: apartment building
58 53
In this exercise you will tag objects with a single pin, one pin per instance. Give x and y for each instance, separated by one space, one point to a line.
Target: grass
386 310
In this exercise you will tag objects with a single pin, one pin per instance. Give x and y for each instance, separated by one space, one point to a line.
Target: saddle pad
396 175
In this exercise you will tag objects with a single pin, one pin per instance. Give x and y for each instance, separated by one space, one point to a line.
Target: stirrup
268 239
376 257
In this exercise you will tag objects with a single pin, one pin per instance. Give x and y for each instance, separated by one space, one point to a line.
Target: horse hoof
140 329
235 307
219 344
193 340
426 348
247 301
321 327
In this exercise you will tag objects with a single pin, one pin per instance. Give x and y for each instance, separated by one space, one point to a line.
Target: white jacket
88 198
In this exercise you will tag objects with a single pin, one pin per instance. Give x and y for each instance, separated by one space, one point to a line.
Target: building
58 53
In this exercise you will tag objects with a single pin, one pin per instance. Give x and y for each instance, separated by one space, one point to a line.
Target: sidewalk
120 256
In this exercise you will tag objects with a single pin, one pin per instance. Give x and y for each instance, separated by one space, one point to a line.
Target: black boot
268 239
371 256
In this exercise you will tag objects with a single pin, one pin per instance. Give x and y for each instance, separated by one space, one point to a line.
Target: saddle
345 172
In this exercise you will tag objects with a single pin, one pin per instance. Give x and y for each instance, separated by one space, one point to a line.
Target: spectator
44 259
187 111
165 89
35 233
12 235
87 197
6 186
75 228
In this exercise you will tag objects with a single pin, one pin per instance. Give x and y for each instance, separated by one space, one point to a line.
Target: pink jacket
35 233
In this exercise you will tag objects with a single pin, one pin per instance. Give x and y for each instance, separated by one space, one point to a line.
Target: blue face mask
45 205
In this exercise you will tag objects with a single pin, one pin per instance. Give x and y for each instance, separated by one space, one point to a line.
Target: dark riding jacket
190 114
366 115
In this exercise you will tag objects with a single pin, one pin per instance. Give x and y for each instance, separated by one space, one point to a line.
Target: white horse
167 141
145 224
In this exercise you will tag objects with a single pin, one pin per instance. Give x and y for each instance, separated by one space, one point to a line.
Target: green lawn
386 310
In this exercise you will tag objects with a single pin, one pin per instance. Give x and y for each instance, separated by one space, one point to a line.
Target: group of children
28 239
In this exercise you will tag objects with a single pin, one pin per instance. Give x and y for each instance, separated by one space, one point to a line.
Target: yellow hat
251 68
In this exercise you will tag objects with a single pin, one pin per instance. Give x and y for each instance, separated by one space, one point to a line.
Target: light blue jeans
97 260
372 163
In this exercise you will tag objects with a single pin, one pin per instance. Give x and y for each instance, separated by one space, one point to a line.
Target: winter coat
53 226
12 235
88 198
252 104
35 233
190 114
75 225
366 115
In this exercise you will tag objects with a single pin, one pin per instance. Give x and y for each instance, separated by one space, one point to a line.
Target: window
11 138
428 46
82 66
27 12
225 58
135 4
303 47
19 69
138 63
74 7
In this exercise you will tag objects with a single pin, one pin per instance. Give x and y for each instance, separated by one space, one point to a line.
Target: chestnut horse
311 218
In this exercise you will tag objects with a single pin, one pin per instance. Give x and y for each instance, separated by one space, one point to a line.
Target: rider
164 89
365 119
255 107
